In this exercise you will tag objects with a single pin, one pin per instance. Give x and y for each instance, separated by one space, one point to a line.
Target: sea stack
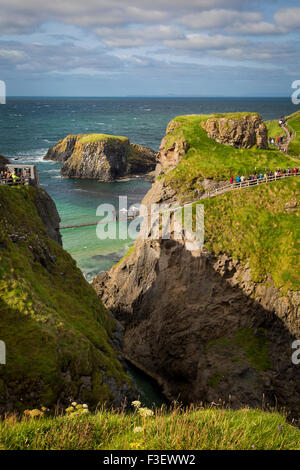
101 157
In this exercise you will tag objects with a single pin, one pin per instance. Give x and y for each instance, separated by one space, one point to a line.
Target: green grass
207 158
253 226
274 130
92 138
177 429
50 318
294 125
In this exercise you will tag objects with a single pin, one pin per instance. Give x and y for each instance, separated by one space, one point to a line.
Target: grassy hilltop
207 158
293 124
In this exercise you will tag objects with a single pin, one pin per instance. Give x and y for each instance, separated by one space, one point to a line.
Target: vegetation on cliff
56 331
293 125
92 138
258 226
206 158
177 429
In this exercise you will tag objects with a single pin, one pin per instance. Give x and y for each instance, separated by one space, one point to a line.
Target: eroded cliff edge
61 343
216 323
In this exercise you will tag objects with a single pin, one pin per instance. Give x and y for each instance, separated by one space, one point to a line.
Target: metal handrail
248 183
10 182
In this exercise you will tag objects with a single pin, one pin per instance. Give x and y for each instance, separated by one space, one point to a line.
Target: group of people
278 141
12 178
262 176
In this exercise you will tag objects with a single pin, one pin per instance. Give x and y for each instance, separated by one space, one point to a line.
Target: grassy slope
49 321
204 429
209 159
253 225
293 123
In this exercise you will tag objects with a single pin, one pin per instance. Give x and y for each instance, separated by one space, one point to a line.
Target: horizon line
149 96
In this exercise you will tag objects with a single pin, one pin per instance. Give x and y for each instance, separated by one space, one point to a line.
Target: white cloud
288 18
204 41
135 37
260 28
218 18
12 55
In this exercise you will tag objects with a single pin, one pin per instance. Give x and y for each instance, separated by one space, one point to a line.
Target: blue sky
149 47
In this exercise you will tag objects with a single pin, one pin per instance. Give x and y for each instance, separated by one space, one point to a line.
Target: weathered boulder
242 132
101 157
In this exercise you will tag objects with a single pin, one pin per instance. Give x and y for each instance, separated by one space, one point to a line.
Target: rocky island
102 157
216 324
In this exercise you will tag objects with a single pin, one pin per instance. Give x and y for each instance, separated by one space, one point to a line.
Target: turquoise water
28 127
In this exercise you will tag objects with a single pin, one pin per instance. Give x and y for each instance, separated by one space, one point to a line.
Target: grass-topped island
102 157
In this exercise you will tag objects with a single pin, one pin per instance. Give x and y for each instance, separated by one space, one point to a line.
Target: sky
149 47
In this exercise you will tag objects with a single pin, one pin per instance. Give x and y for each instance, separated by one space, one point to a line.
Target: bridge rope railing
209 194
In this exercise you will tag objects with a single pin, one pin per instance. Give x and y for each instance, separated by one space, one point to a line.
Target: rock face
61 343
3 161
198 325
195 321
101 157
63 149
243 132
48 213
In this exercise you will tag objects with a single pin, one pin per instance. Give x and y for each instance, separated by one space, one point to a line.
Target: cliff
217 322
60 340
102 157
190 158
3 161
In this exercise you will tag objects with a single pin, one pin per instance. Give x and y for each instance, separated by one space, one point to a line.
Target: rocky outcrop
3 161
241 132
63 149
48 213
196 321
197 324
101 157
171 154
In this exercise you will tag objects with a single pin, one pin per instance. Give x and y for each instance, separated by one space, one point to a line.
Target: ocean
29 126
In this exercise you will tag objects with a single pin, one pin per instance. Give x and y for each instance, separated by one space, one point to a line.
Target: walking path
209 194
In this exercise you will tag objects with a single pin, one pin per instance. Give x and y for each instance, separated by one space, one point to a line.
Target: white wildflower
138 429
136 403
